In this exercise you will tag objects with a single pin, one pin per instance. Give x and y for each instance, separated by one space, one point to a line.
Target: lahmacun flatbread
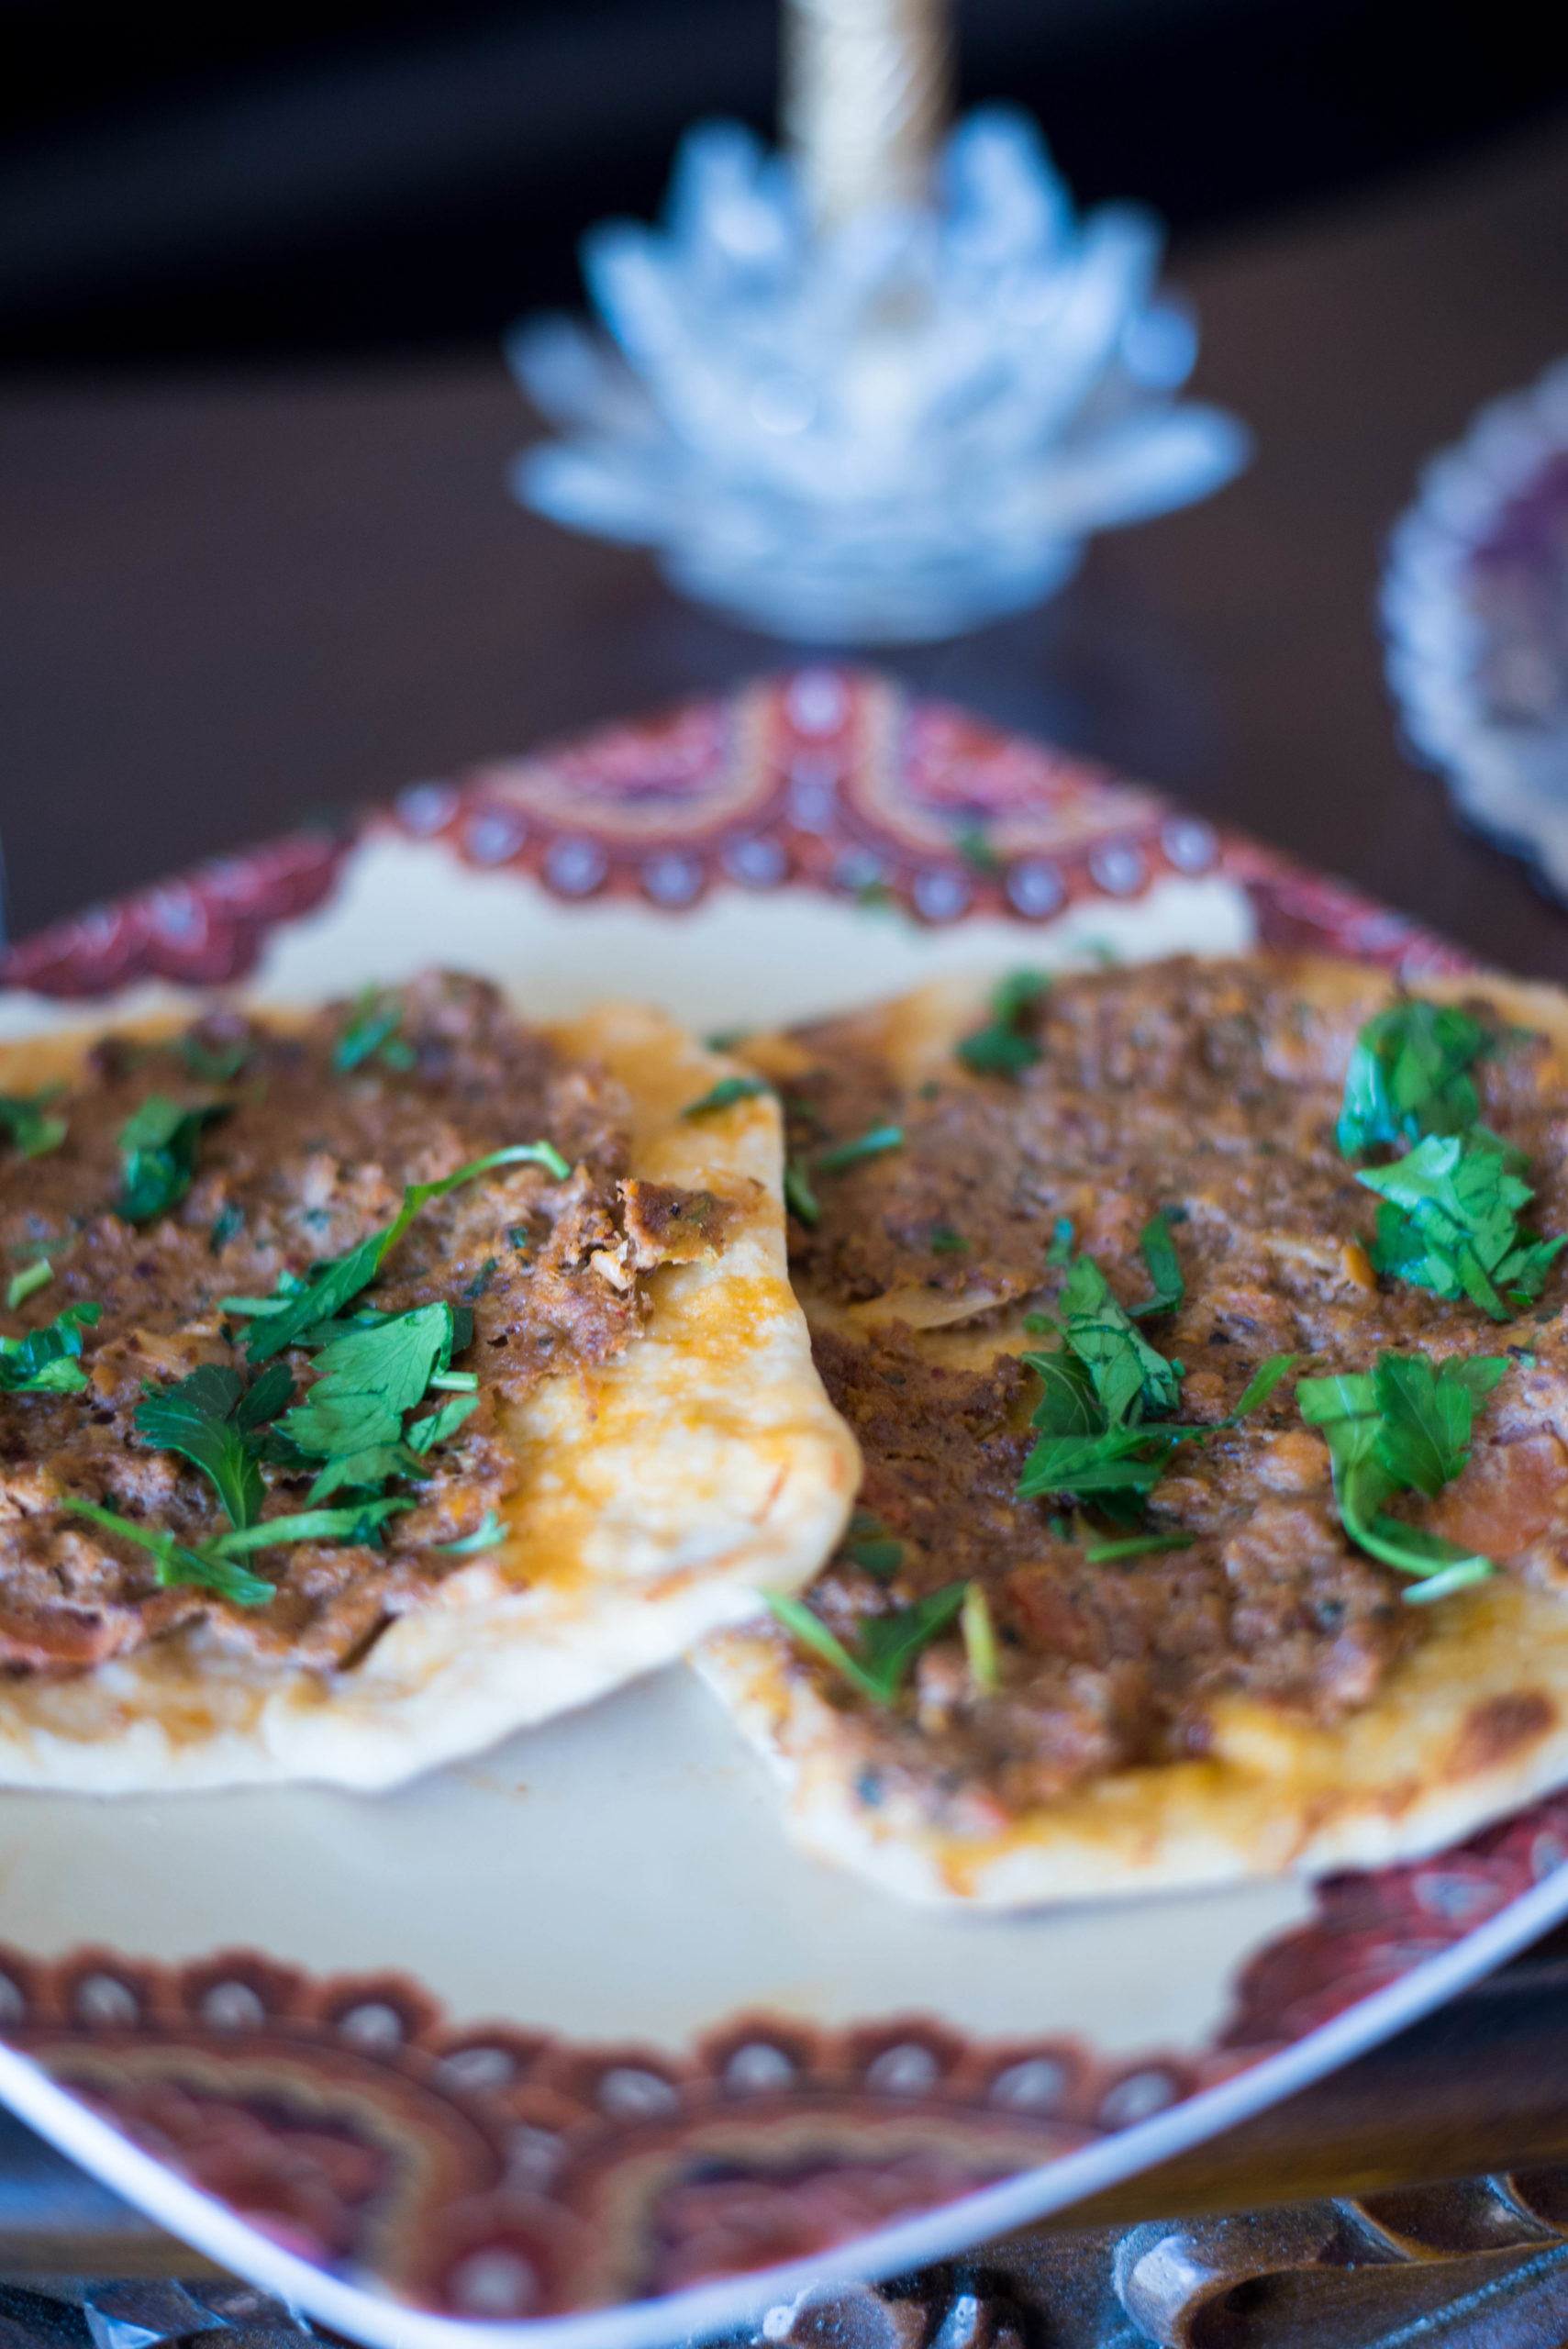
1068 1649
496 1337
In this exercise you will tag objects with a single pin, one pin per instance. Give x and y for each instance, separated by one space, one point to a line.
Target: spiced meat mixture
1211 1093
312 1138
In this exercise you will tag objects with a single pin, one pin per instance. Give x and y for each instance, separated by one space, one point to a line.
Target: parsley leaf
1159 1253
440 1425
799 1196
1129 1378
361 1523
888 1644
728 1090
1448 1221
27 1282
1136 1545
869 1545
980 1639
178 1564
850 1153
1060 1249
22 1115
1402 1428
213 1421
1003 1046
373 1028
158 1155
1409 1077
488 1534
1262 1385
945 1242
214 1063
352 1416
284 1321
46 1361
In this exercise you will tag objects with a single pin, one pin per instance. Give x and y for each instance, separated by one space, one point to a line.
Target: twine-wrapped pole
867 93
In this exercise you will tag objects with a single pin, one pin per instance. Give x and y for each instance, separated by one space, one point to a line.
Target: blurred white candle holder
889 430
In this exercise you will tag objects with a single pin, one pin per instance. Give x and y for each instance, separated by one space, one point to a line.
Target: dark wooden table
223 604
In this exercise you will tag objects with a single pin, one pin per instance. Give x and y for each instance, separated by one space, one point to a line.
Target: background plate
567 2037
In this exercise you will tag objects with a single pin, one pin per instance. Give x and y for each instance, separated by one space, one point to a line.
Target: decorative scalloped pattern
826 779
491 2171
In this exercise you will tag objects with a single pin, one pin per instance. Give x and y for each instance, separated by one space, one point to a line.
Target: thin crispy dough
657 1495
1473 1723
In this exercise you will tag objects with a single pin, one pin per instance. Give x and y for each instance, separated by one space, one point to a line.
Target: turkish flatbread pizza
377 1381
1201 1328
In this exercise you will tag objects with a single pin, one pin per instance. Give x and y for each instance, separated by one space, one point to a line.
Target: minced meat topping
199 1182
1208 1092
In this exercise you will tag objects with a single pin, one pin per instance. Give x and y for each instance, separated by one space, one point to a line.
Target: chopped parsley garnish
799 1196
1159 1253
158 1155
946 1241
885 1646
226 1225
216 1423
1409 1077
1060 1249
48 1361
372 1031
1448 1220
351 1418
27 1282
1136 1545
25 1117
725 1094
1105 1433
980 1639
215 1565
488 1534
440 1425
176 1562
1402 1426
214 1063
474 1289
1003 1046
850 1153
869 1545
281 1321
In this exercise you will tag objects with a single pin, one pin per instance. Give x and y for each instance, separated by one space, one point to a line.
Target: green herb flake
25 1118
227 1224
886 1646
1409 1078
1402 1427
1448 1220
869 1545
488 1534
26 1284
1159 1254
975 849
351 1418
725 1094
282 1322
1060 1249
799 1196
158 1155
843 1154
213 1063
1136 1545
176 1562
1003 1046
946 1241
372 1024
214 1420
979 1635
48 1361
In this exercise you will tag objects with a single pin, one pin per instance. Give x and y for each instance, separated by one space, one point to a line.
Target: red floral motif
497 2172
1370 1928
203 929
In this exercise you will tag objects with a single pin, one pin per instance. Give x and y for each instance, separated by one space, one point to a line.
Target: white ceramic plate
567 2038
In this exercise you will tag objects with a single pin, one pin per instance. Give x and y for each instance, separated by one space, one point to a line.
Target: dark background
283 177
